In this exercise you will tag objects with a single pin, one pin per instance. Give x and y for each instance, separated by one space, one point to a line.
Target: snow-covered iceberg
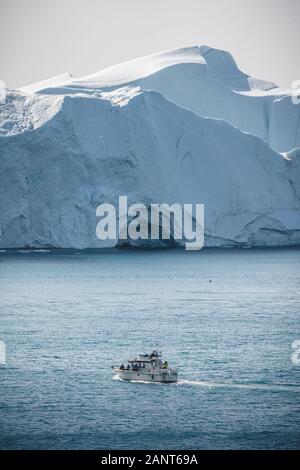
205 80
68 145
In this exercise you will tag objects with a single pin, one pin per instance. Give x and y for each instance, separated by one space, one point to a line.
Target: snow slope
204 80
61 155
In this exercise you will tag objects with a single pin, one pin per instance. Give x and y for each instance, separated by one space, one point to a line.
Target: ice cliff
183 126
204 80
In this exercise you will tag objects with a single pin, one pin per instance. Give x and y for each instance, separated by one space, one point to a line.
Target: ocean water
67 317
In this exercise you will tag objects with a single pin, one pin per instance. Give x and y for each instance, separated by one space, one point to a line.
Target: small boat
147 368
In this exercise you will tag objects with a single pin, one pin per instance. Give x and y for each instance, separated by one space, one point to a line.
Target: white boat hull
143 376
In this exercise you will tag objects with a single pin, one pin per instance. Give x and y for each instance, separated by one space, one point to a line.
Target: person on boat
165 365
122 367
128 367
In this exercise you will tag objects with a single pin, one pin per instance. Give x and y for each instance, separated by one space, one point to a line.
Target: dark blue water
66 318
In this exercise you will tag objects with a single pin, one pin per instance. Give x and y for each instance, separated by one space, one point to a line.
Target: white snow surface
68 145
205 80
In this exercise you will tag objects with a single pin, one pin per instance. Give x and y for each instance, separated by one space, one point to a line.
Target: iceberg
185 126
204 80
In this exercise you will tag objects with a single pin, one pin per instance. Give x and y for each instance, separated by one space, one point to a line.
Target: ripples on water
67 317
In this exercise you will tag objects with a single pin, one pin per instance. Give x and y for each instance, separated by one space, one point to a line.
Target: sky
40 38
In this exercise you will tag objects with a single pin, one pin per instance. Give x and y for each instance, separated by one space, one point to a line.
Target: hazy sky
40 38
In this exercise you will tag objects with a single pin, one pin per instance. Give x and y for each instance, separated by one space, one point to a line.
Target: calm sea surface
67 317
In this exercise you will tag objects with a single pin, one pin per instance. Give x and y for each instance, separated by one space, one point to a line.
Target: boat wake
247 386
203 383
